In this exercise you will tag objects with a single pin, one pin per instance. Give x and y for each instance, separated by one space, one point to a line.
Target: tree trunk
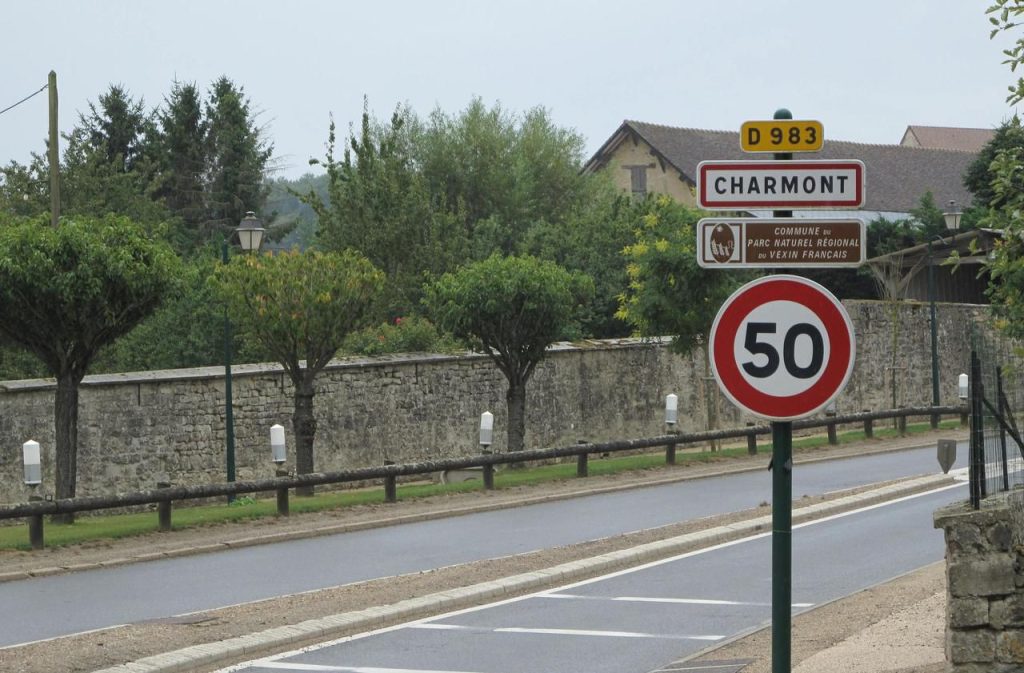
304 426
65 423
516 402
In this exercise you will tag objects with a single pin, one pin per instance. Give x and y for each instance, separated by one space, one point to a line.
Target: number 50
751 343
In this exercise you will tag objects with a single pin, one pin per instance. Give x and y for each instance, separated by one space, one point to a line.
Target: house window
637 179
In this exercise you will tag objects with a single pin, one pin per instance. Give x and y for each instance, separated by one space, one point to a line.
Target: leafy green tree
237 154
512 309
1003 15
377 203
499 174
300 307
979 177
65 293
668 292
1001 190
186 331
591 240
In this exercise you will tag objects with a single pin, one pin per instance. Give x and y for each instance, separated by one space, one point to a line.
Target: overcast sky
865 69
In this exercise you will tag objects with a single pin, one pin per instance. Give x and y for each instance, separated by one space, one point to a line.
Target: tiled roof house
947 138
663 159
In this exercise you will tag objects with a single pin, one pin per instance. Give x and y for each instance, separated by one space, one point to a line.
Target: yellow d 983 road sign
782 135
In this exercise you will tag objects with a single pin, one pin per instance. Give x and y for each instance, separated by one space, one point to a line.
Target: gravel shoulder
88 652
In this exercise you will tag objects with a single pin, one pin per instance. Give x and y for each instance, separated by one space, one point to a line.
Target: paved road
638 620
48 607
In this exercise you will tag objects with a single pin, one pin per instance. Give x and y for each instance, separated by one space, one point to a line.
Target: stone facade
138 429
659 177
985 584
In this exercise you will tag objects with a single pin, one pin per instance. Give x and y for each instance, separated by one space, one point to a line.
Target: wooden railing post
35 527
901 424
488 473
833 438
582 468
390 486
283 507
869 426
751 440
163 509
670 451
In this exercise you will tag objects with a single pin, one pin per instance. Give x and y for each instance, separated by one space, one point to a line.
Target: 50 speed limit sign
782 347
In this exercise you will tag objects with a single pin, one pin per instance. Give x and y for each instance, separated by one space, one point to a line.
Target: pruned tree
300 307
65 293
512 309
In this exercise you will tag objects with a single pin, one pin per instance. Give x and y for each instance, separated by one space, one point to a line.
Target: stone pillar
985 584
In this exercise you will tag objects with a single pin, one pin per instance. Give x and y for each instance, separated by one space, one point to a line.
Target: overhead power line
36 93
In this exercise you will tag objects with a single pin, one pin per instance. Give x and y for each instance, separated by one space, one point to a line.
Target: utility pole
53 154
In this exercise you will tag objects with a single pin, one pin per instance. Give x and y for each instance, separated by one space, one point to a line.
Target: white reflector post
962 386
277 447
33 463
486 428
671 409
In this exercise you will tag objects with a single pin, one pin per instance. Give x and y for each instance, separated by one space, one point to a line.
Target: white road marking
682 601
281 666
561 632
605 634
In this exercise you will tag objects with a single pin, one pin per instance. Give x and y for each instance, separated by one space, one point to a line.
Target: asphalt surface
636 620
47 607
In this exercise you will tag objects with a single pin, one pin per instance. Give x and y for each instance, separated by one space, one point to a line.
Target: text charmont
781 185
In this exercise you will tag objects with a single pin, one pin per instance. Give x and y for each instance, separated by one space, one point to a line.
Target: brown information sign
729 243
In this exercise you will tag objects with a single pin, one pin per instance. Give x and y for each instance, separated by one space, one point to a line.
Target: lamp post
250 235
952 218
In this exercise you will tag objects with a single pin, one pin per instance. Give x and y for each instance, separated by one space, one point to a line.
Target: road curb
339 625
287 536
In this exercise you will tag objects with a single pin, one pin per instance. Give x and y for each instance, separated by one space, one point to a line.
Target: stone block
985 668
981 575
1000 536
964 537
1008 612
976 646
967 612
1010 647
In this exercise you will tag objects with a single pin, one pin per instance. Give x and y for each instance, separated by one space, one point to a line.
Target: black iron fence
34 511
996 391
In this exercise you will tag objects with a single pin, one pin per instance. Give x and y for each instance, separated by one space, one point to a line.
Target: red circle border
816 299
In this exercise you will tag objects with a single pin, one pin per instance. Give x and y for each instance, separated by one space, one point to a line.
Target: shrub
402 335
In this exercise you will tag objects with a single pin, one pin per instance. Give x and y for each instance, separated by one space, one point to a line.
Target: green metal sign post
781 347
782 516
782 545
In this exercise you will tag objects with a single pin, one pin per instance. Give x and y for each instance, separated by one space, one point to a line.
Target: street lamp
250 235
952 218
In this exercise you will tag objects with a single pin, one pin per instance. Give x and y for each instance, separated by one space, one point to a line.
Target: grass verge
105 526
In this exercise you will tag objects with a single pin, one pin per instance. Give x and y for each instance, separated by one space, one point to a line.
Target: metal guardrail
34 511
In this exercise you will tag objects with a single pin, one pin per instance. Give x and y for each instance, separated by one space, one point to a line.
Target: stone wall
985 584
138 429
